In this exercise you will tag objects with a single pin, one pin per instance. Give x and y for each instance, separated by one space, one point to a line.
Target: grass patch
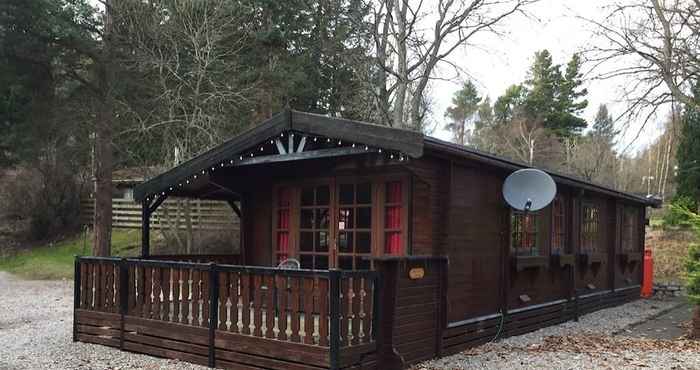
55 261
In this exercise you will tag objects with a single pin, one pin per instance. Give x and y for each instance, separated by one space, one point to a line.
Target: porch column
145 229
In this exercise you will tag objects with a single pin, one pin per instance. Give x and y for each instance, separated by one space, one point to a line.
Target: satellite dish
529 189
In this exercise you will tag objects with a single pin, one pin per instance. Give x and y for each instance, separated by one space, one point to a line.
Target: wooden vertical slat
366 309
131 281
157 290
269 306
111 288
83 284
344 311
245 301
281 282
234 287
257 305
308 286
166 294
223 299
177 281
138 288
186 298
323 311
147 292
99 287
294 307
196 288
356 308
204 293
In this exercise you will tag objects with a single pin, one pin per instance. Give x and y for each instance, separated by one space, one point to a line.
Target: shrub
675 214
692 264
46 195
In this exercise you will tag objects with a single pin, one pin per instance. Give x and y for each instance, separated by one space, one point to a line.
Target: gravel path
598 341
36 320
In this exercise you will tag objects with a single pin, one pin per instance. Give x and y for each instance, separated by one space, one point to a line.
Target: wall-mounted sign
416 273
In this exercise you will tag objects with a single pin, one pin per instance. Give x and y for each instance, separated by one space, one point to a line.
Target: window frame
536 243
377 230
562 234
590 229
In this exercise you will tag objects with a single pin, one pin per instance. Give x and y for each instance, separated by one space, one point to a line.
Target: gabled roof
408 142
399 140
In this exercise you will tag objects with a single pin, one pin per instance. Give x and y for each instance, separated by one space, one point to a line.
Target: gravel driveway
36 320
36 329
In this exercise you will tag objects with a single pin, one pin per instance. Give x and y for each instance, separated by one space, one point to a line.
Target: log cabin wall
593 274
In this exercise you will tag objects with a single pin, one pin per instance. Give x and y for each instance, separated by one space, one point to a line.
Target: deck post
213 312
76 296
123 298
145 229
387 357
334 294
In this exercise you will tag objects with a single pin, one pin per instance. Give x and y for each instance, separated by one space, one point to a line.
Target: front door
340 222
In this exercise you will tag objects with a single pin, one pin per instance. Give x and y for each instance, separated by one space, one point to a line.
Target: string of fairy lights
261 150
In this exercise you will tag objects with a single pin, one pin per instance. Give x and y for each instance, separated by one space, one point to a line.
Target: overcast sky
506 60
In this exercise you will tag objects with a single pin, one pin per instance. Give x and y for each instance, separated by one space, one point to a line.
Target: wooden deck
265 318
259 318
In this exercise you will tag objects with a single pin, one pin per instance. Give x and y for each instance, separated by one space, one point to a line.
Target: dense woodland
87 87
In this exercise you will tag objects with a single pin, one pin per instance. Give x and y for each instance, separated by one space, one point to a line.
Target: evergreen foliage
688 154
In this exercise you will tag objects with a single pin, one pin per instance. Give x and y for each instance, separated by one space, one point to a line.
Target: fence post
213 311
76 296
123 298
334 294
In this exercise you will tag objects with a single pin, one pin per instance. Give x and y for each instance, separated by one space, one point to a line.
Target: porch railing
336 310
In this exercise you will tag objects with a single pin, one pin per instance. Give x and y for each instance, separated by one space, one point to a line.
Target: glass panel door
314 227
354 225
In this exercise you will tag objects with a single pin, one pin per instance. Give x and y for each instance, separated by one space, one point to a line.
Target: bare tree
408 54
654 44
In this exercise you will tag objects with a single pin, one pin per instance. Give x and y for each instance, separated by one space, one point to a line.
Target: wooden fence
203 214
227 316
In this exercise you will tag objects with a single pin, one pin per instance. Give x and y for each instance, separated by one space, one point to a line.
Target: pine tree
688 153
465 104
485 114
603 124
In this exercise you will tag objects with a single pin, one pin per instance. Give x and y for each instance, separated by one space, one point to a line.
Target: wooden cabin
405 244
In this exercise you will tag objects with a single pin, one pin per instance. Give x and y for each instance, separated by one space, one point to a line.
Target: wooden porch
228 316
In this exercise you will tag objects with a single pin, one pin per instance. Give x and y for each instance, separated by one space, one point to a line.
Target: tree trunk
400 9
103 181
103 147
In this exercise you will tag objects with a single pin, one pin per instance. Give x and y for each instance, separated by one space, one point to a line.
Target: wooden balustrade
293 306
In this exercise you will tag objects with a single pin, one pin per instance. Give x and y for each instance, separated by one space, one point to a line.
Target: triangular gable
270 138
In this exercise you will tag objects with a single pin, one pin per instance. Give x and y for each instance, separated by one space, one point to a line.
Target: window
629 225
590 227
282 226
524 234
393 207
558 226
354 226
314 233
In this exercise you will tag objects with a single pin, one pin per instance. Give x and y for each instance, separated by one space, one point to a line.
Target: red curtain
282 246
283 219
392 244
393 192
